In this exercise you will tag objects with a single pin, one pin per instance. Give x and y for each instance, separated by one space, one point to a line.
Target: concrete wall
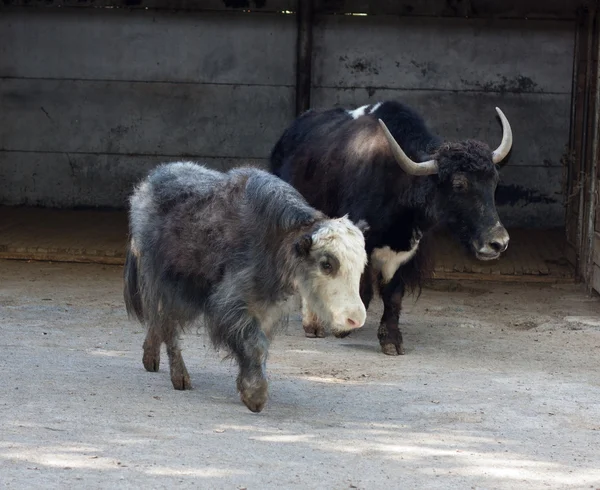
456 71
91 99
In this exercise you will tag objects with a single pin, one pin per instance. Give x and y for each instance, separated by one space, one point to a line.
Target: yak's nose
357 319
494 244
352 324
499 244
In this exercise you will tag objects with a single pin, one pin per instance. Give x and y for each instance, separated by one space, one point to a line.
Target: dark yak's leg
179 373
389 335
251 349
151 358
366 286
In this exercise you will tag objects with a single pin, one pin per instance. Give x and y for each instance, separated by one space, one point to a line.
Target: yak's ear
363 226
303 245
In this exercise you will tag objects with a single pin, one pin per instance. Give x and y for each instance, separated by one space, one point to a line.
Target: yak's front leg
389 335
251 349
313 327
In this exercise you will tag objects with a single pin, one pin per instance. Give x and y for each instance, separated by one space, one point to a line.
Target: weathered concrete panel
145 46
91 99
143 118
65 180
76 180
533 202
562 9
258 6
443 54
527 9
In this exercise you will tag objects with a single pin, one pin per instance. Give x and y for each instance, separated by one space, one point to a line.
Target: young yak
234 247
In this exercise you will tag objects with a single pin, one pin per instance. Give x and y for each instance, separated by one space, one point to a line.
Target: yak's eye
327 267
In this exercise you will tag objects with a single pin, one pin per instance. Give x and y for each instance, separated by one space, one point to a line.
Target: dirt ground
499 388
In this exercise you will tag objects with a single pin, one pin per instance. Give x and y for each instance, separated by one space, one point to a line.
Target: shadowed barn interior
93 98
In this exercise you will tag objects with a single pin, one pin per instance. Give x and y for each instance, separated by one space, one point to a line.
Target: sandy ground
499 388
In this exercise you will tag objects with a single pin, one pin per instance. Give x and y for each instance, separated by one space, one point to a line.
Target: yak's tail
131 288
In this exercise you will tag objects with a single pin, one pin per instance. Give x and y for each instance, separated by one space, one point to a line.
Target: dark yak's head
467 176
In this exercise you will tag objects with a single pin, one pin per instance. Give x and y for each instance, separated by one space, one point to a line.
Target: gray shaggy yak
234 247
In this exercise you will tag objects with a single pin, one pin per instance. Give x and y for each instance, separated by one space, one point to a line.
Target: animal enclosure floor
100 237
499 389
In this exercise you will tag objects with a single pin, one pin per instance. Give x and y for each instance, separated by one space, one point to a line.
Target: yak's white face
335 258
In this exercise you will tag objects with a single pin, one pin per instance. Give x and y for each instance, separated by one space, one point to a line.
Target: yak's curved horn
409 166
500 153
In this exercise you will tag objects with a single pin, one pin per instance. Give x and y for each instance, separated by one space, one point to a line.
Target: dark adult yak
235 247
382 164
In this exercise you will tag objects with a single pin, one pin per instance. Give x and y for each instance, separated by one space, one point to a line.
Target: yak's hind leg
313 327
152 344
389 335
179 373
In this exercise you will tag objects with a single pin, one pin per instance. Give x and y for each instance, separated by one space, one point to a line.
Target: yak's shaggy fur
234 247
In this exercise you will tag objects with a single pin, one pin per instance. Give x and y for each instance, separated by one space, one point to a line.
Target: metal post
304 16
594 124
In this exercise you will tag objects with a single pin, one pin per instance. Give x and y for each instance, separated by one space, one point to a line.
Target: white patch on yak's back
356 113
375 107
387 261
364 110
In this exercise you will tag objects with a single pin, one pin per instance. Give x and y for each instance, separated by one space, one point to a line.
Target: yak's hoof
314 331
151 361
390 340
342 335
181 380
253 393
390 349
